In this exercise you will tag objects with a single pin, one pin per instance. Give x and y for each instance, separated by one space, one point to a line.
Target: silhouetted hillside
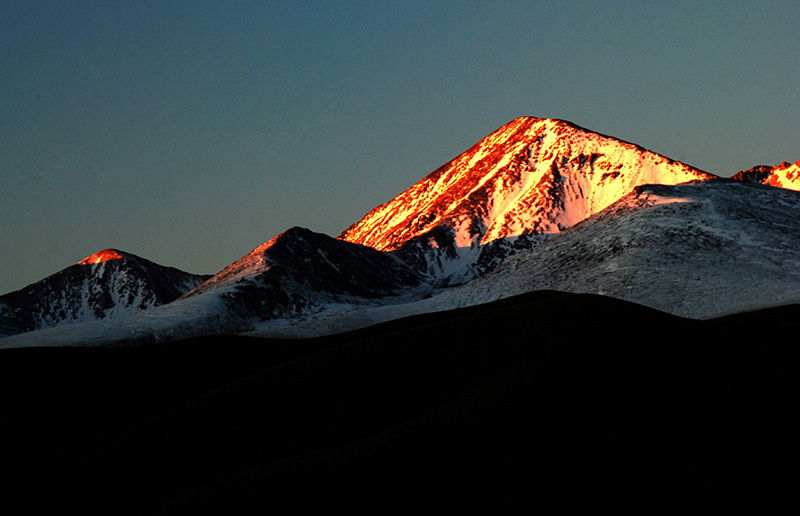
514 406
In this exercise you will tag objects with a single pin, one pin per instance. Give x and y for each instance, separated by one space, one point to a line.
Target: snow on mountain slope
699 250
108 284
786 175
442 262
530 176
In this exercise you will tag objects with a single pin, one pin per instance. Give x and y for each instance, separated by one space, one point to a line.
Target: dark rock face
300 269
755 175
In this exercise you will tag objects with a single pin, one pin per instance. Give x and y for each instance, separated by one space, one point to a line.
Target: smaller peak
102 256
786 164
296 230
292 234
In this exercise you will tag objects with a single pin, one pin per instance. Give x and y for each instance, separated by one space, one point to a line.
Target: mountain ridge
526 182
315 265
786 175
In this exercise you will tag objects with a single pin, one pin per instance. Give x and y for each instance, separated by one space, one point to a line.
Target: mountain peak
532 175
786 175
292 241
292 234
102 256
127 285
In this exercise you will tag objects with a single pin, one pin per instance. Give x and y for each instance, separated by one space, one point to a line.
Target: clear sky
191 132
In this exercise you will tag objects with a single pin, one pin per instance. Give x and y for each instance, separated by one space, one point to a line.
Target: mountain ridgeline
786 175
524 191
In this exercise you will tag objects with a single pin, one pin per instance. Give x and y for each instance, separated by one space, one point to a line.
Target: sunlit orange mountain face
102 256
786 175
530 176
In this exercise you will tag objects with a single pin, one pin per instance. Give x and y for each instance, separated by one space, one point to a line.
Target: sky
189 133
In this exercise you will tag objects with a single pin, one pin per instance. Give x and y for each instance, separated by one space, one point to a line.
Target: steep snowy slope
107 284
530 176
437 256
785 175
696 250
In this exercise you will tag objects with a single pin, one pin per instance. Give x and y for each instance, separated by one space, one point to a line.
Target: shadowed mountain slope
300 270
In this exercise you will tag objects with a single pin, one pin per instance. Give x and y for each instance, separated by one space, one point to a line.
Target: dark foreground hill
547 402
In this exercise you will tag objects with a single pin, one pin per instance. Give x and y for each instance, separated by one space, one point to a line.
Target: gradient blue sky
189 133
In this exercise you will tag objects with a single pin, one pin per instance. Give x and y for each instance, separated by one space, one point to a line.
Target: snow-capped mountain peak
107 284
531 176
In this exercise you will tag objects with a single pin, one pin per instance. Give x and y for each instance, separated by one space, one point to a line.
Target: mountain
299 270
292 276
106 285
700 250
531 176
785 175
530 206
